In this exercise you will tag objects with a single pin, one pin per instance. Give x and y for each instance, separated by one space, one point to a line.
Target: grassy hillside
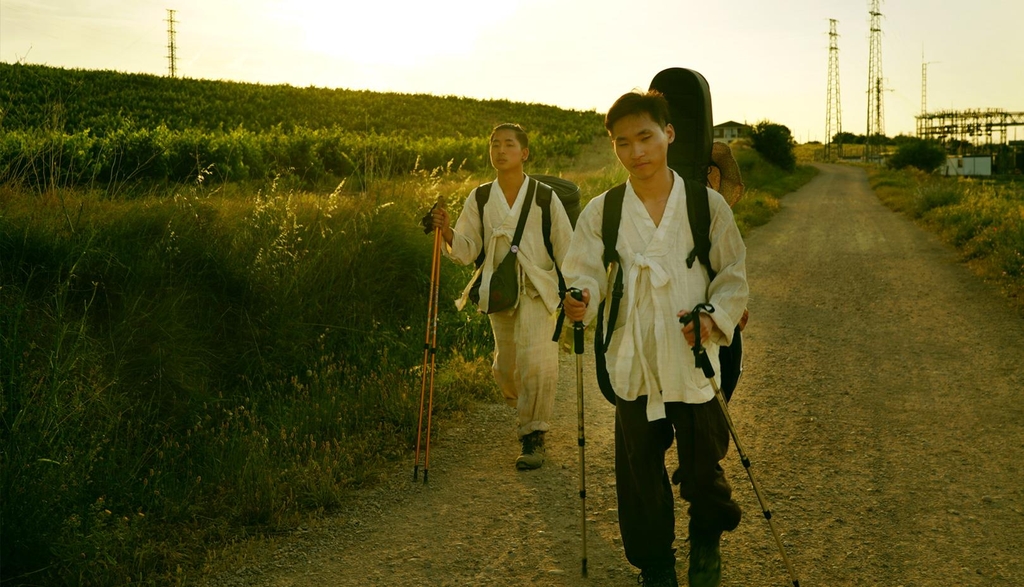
73 100
100 129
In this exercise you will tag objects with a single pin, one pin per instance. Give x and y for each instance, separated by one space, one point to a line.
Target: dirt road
881 406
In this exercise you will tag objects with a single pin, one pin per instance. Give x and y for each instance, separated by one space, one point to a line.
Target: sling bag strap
523 214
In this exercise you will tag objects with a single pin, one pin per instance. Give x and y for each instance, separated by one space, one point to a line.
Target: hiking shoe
532 456
705 561
658 577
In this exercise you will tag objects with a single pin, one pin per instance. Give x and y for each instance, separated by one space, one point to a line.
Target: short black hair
652 103
524 141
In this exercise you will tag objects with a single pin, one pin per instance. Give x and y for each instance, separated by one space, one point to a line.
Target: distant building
728 132
968 165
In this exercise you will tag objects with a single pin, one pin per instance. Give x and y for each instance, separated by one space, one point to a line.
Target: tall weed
171 361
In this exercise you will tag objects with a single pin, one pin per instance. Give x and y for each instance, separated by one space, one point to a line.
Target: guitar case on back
689 103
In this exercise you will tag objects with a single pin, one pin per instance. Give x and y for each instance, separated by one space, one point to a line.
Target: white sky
763 59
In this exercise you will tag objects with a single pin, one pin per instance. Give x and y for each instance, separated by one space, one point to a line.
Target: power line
172 56
833 110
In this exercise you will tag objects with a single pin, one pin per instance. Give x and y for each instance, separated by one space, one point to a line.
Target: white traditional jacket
648 354
536 268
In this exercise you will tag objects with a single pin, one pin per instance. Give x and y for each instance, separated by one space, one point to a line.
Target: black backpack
568 193
698 211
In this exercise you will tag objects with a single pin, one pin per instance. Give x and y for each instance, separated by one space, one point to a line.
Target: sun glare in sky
763 60
398 33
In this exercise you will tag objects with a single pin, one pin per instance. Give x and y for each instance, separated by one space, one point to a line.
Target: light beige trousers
526 360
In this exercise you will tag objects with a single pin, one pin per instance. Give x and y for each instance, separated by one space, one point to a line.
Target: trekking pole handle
700 356
577 327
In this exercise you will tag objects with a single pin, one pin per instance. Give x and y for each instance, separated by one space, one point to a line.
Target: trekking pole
435 292
429 349
702 361
577 340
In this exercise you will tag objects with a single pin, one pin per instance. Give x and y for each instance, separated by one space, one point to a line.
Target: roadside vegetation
187 361
983 218
765 185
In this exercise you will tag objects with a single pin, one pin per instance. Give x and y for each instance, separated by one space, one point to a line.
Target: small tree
775 143
924 155
847 138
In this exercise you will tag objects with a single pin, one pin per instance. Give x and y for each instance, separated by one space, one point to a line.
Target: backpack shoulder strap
610 220
483 193
544 194
698 211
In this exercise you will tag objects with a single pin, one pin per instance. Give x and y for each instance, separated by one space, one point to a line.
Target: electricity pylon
172 56
876 110
833 110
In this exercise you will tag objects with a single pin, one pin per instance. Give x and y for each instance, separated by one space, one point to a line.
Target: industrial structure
833 110
172 54
979 132
979 127
876 111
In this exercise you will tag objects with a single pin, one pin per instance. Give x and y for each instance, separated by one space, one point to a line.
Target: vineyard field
69 128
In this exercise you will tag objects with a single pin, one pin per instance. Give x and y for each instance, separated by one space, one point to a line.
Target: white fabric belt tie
632 340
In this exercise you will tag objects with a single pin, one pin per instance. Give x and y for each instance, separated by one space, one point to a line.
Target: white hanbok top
648 354
536 268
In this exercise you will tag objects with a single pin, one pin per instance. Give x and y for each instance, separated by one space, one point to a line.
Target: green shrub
775 143
925 155
765 184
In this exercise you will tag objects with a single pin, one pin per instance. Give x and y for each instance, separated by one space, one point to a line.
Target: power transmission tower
833 110
876 112
172 55
924 94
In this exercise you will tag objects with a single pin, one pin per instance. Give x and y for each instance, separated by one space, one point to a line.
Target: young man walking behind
525 358
660 395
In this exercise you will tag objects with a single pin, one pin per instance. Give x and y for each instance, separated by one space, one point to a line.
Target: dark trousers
646 508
